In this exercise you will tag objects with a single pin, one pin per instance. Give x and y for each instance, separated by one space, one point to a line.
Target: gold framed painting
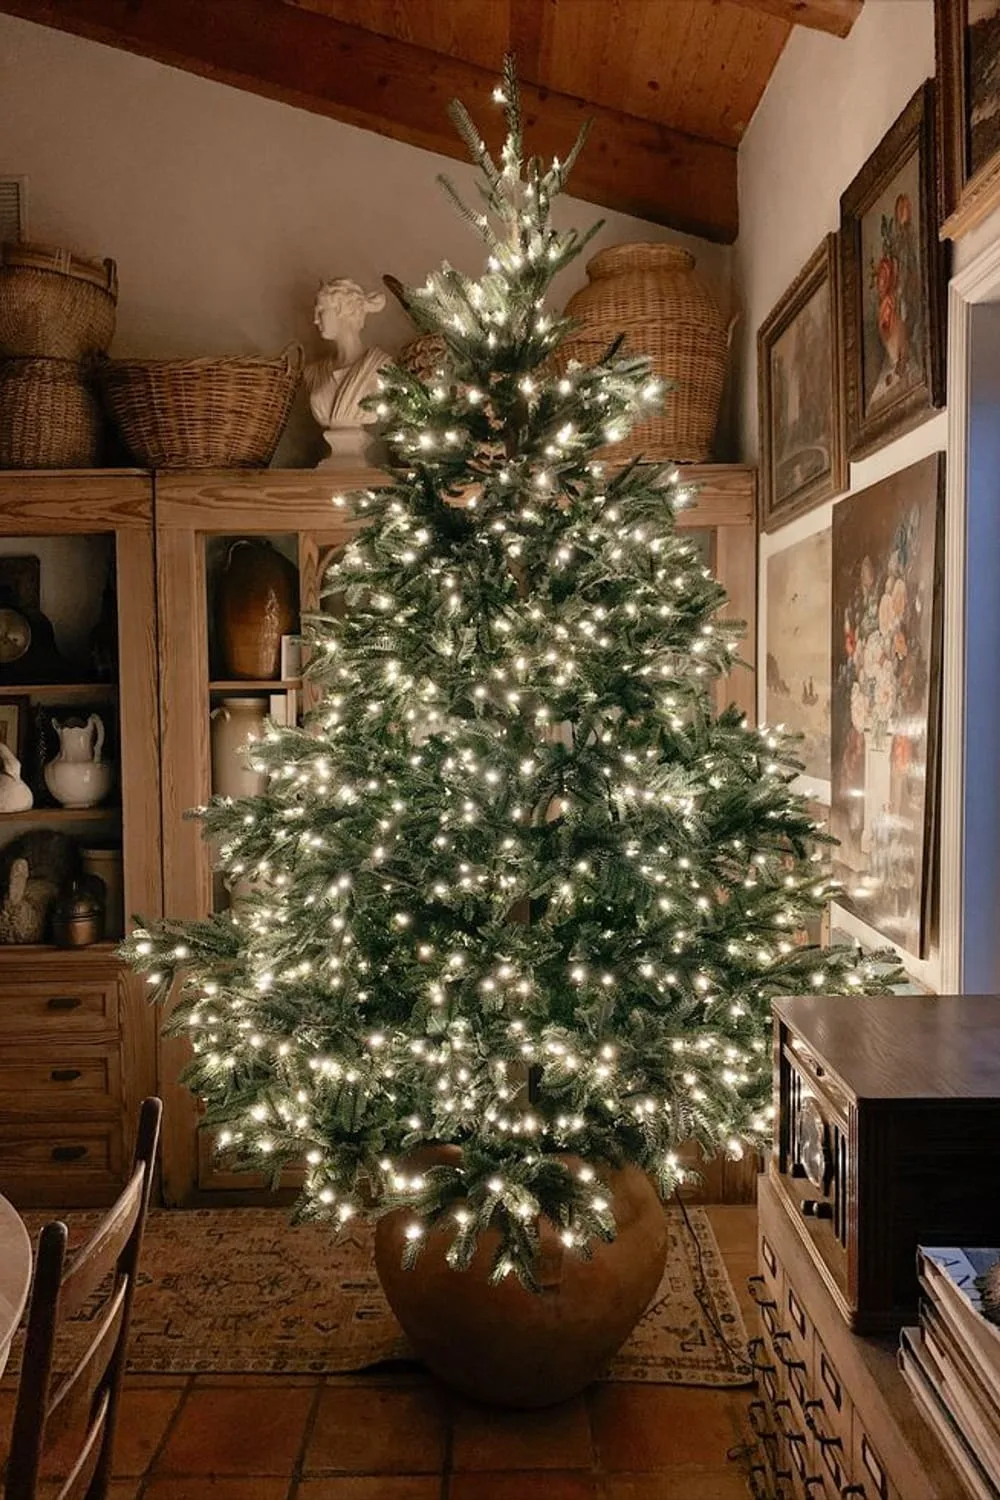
886 692
797 671
967 52
894 284
800 393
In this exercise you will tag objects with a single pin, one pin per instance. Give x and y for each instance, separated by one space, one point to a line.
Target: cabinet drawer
869 1469
59 1081
51 1164
35 1009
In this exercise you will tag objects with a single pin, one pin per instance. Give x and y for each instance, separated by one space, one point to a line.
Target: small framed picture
894 284
291 658
800 393
14 717
967 52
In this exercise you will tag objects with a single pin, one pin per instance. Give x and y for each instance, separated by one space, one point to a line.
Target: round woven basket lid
101 273
641 256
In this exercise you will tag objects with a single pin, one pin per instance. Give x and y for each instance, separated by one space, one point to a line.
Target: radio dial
814 1146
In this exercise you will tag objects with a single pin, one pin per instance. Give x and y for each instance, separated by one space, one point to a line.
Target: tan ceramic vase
654 296
256 603
511 1347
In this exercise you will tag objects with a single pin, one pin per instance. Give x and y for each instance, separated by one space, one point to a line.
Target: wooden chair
86 1400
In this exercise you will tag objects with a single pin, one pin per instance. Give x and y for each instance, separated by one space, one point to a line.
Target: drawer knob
64 1002
755 1286
64 1075
68 1153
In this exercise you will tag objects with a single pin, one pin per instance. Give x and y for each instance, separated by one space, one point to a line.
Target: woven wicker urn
511 1347
49 415
653 295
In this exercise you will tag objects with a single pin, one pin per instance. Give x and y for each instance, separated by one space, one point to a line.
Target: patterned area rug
239 1290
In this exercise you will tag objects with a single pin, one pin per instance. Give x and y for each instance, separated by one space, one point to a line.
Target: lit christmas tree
517 887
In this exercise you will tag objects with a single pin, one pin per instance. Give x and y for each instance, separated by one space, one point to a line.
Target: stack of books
952 1364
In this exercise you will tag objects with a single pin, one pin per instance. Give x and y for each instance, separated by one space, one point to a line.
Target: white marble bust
338 384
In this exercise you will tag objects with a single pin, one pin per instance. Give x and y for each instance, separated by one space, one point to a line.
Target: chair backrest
85 1401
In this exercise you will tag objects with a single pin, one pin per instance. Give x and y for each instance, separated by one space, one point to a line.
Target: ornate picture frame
15 716
800 393
894 284
966 47
886 700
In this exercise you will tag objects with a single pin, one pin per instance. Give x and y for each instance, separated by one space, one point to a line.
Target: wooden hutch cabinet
63 1142
77 1038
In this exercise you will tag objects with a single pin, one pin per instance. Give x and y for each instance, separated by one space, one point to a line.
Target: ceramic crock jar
654 296
235 722
511 1347
256 603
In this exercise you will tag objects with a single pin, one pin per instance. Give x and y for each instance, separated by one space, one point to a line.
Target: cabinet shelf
61 689
256 685
49 815
103 950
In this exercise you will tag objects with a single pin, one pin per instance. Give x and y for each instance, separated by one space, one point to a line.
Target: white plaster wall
224 210
827 106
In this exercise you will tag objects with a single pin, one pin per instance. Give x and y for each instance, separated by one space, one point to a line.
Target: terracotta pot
511 1347
653 295
256 603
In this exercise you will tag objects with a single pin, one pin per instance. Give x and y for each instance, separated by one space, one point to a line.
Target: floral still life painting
893 328
894 275
798 648
885 609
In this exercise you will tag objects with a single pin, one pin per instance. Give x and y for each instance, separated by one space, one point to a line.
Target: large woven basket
202 413
652 294
55 305
49 415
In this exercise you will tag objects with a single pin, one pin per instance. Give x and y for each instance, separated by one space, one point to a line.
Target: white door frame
978 283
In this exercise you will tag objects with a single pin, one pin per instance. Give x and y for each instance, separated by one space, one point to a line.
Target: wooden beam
286 52
835 16
526 36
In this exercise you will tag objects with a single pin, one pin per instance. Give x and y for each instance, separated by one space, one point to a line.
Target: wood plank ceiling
670 85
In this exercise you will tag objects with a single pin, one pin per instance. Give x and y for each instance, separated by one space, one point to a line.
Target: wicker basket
202 413
652 294
54 305
49 415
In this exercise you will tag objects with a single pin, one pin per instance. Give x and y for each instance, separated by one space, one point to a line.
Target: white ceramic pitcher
79 776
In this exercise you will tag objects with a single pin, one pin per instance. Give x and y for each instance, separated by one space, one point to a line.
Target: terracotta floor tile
642 1428
155 1382
394 1375
7 1399
123 1489
211 1487
525 1485
143 1418
255 1381
680 1484
377 1430
249 1430
371 1487
557 1437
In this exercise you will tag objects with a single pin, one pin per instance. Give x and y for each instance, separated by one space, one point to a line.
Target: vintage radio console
887 1135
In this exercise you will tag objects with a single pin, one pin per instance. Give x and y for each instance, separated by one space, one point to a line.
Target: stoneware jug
15 796
256 603
79 776
234 722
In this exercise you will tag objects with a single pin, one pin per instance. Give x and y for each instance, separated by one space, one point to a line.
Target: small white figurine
337 385
15 795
